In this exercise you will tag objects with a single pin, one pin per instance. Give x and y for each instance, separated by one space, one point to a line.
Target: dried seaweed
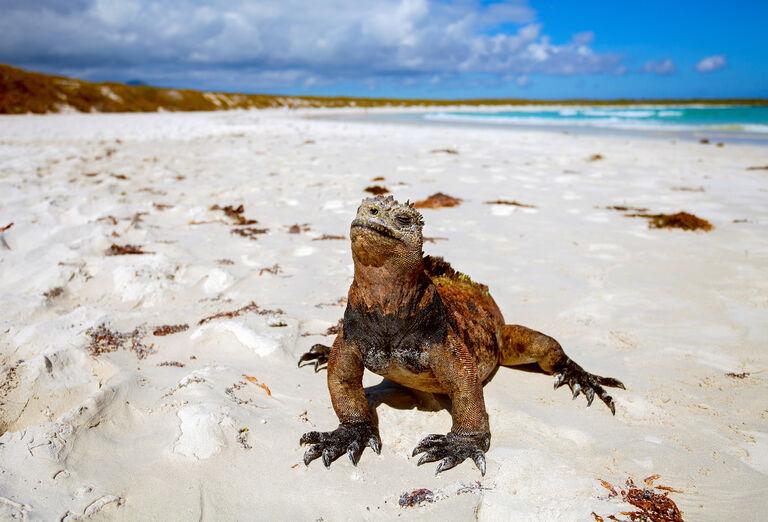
416 497
53 292
327 237
8 383
251 233
242 438
112 220
341 301
274 270
681 220
169 329
103 340
138 347
758 167
151 190
434 239
254 380
250 308
512 202
378 178
230 392
297 229
137 218
225 262
235 214
175 364
447 150
6 227
186 381
623 208
652 506
162 206
438 200
125 250
734 375
596 157
335 329
376 190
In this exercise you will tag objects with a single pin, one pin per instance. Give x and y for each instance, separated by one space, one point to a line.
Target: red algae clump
438 200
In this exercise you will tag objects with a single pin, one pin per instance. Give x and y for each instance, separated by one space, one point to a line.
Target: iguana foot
349 438
453 449
318 353
581 381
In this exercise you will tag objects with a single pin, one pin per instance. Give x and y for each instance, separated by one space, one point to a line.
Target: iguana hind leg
521 345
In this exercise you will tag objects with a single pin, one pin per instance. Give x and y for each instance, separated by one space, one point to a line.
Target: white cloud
309 42
661 67
711 63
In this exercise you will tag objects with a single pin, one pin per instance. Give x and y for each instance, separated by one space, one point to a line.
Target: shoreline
418 116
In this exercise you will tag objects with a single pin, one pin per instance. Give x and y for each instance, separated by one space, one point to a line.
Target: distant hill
29 92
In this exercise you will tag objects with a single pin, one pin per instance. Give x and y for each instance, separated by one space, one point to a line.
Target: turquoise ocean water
722 120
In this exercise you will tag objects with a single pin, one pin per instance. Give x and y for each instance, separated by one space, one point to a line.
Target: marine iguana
416 321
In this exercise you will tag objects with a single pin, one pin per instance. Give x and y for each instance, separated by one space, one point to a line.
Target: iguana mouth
379 229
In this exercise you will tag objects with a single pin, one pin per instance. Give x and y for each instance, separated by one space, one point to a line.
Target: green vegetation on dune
29 92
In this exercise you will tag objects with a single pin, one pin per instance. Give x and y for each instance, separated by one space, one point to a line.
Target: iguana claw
452 449
318 353
347 438
588 384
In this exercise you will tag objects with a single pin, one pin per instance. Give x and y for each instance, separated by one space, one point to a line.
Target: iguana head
385 229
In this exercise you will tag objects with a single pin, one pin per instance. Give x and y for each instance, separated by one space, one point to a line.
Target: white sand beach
204 423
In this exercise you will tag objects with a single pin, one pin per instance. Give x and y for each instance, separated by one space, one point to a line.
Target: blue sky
401 48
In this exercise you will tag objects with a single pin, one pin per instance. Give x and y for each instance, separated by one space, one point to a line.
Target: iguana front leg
470 436
356 429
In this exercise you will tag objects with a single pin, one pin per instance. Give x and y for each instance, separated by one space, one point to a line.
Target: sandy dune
204 423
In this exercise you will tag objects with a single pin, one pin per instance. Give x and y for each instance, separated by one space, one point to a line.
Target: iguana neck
390 288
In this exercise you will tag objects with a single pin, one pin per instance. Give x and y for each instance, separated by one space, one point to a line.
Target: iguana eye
403 220
374 210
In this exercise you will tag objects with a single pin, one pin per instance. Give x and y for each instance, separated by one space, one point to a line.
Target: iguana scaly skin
416 321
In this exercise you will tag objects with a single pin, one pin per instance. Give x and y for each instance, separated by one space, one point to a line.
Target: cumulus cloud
289 42
711 63
661 67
